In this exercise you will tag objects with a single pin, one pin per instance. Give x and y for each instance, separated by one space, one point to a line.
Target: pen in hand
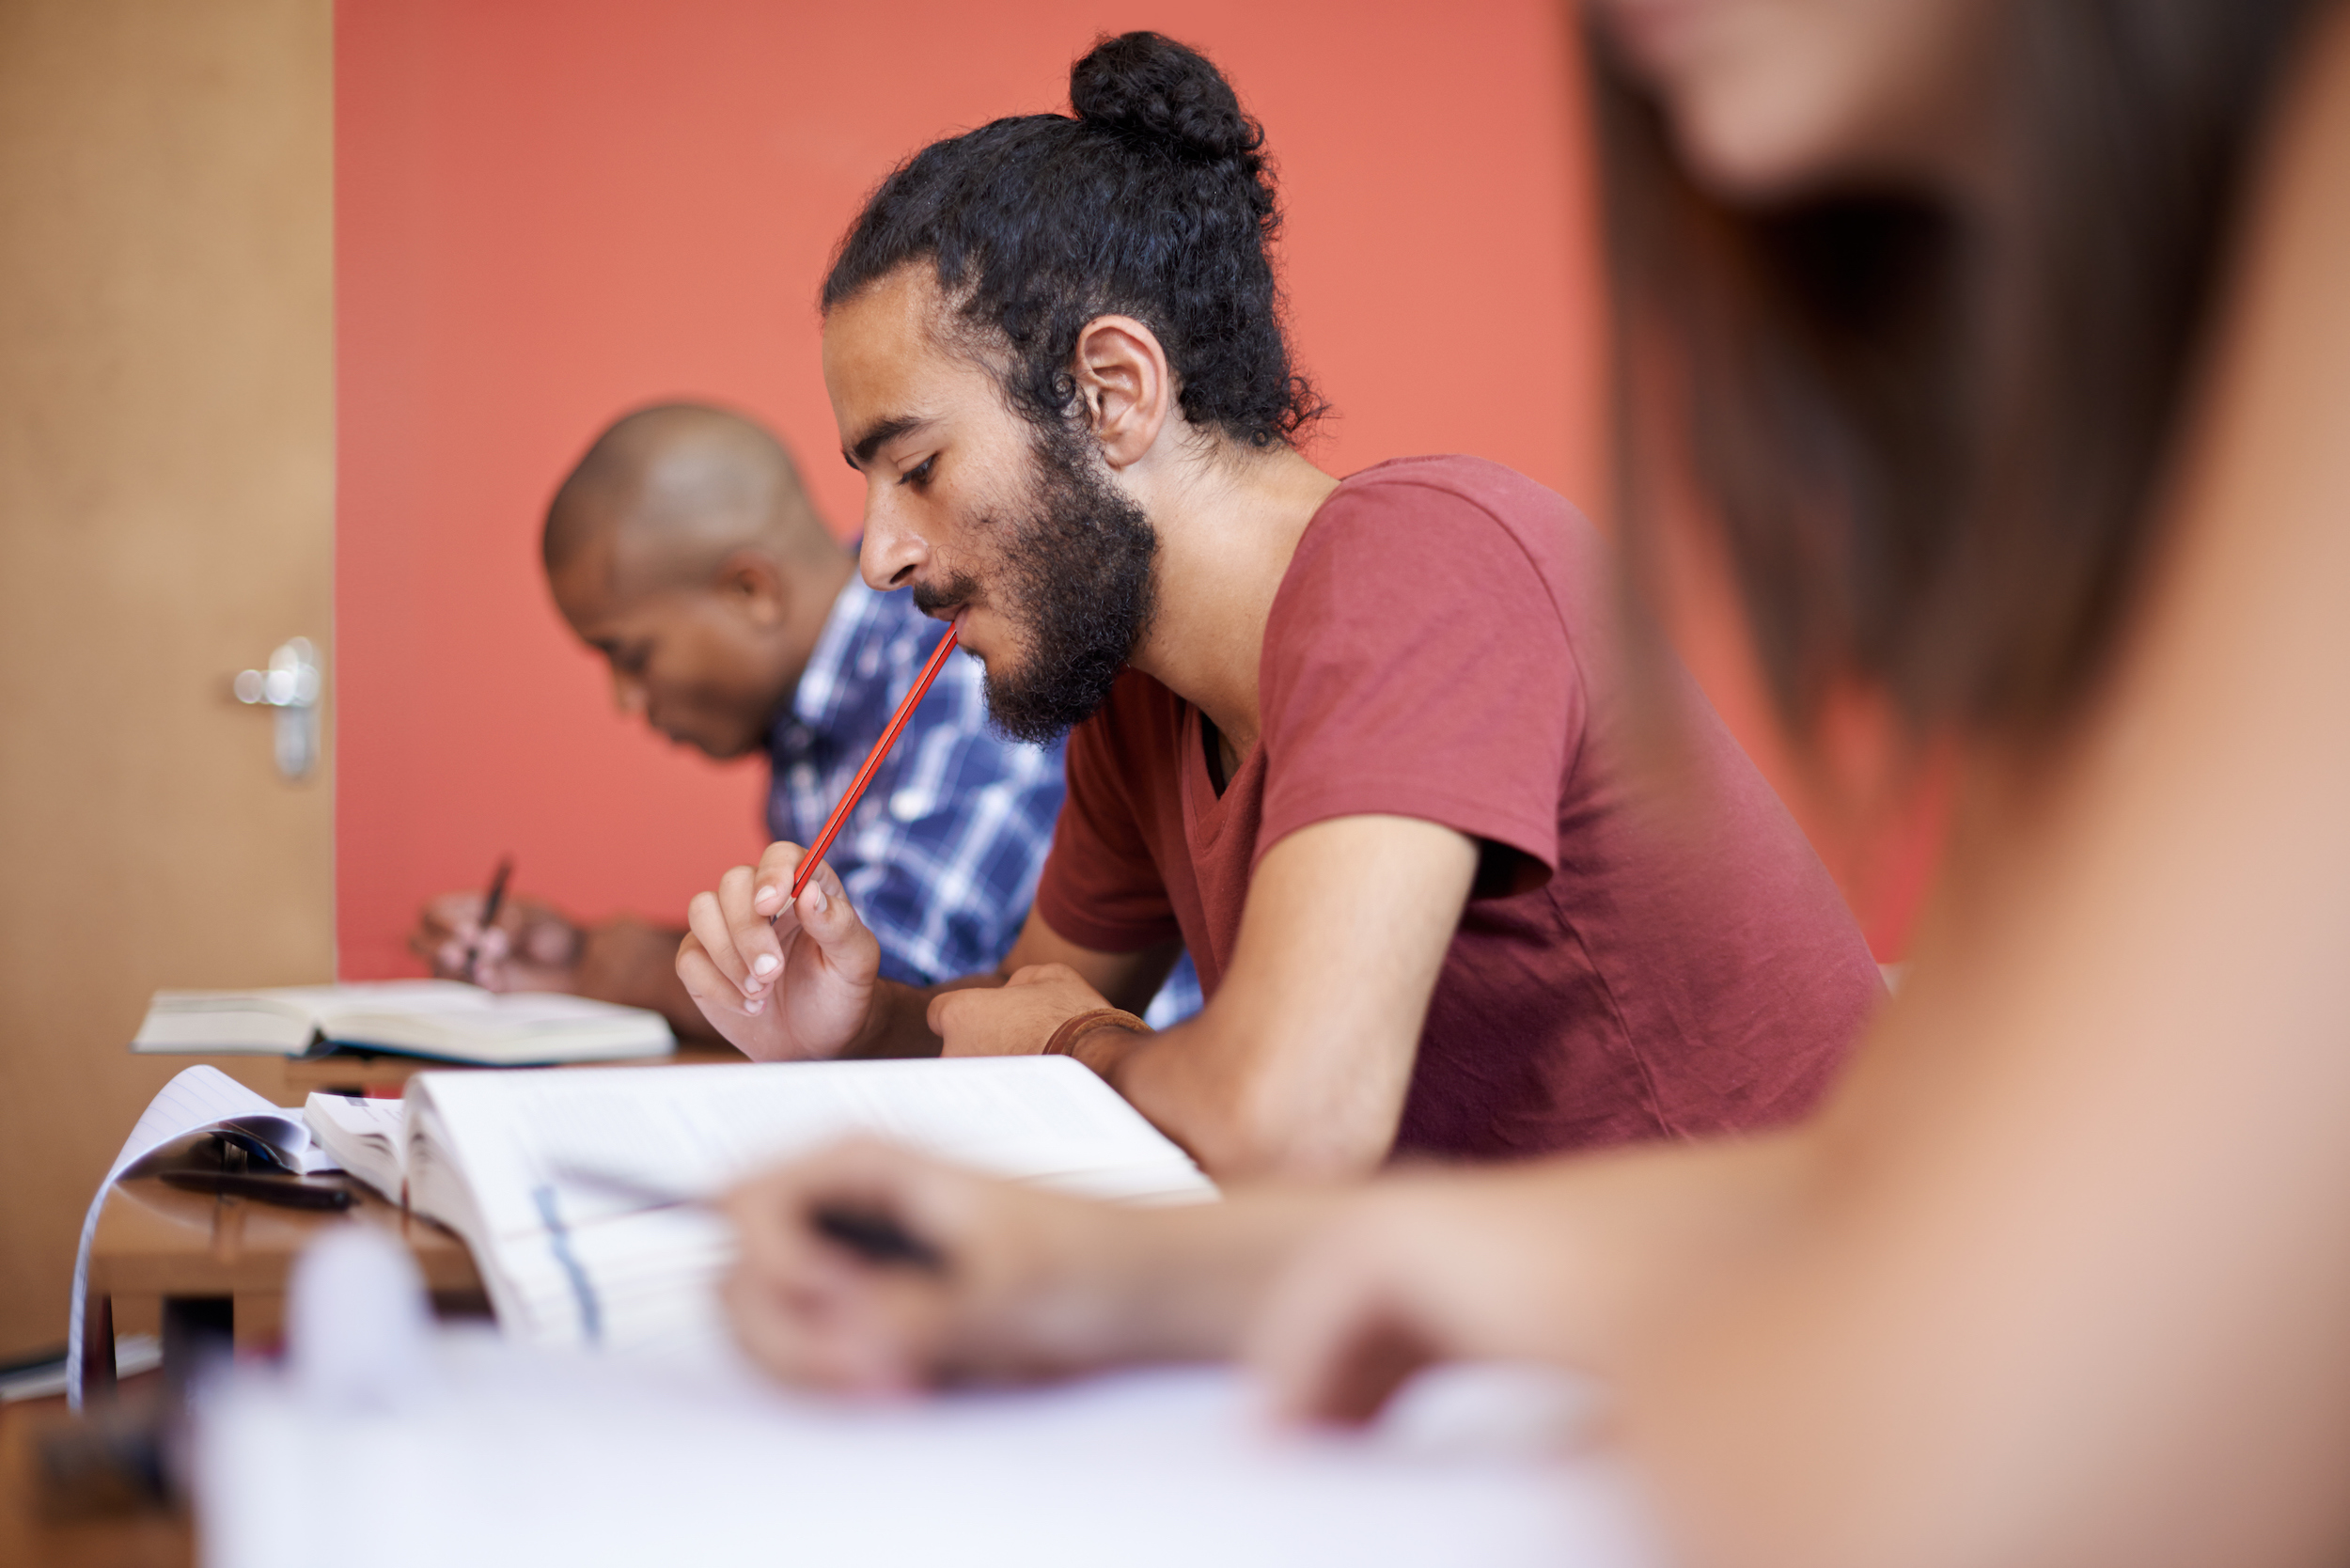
492 902
874 1236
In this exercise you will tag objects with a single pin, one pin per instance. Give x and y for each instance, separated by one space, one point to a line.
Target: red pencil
865 774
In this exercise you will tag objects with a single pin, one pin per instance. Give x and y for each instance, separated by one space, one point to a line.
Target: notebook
546 1175
426 1018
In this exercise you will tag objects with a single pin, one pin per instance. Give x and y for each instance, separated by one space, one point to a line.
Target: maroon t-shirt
1634 963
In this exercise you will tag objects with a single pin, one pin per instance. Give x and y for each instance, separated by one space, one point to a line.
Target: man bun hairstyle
1144 85
1154 199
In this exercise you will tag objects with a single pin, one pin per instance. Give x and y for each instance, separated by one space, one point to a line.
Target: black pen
492 902
875 1237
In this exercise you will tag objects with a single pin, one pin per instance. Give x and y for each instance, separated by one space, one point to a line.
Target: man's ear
1121 372
752 583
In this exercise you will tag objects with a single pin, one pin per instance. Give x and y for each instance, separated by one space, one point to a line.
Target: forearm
633 964
1623 1242
1298 1068
1237 1113
1170 1284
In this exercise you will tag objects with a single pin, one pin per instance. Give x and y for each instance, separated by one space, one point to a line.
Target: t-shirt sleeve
1416 665
1101 887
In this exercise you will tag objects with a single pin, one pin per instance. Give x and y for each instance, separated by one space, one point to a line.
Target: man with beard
1366 746
684 549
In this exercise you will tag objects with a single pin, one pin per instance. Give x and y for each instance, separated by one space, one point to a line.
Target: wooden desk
217 1266
139 1535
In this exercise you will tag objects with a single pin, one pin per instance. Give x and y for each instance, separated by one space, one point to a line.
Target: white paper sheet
470 1448
521 1456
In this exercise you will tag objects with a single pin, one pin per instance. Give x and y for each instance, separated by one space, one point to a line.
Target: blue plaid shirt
941 856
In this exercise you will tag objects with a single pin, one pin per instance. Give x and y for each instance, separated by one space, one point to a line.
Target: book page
549 1176
366 1135
693 1131
357 1117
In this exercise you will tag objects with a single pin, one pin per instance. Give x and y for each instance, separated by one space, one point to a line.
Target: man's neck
1226 537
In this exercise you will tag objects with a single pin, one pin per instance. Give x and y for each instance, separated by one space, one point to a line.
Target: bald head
679 490
683 550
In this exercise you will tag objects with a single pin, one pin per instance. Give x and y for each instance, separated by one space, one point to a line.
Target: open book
426 1018
366 1138
546 1174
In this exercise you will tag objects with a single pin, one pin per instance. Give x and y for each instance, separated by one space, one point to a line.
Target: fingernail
754 1004
765 896
816 900
764 964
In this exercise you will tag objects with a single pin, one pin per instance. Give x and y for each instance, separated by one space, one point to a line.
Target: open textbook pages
429 1018
546 1175
366 1136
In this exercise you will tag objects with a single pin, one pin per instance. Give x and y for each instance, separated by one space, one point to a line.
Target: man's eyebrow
876 436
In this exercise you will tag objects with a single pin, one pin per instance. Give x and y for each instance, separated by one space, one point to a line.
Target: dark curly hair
1154 200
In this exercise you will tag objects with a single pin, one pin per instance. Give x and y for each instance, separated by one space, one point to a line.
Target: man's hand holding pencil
775 958
782 978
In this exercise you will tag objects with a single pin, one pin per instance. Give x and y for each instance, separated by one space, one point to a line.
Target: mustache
946 597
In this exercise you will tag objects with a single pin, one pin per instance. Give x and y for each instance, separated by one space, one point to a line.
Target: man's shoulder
1451 482
1442 526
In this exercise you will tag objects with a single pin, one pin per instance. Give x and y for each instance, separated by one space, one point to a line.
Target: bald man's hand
782 981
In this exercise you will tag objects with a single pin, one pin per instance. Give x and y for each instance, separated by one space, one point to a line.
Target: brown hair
1933 442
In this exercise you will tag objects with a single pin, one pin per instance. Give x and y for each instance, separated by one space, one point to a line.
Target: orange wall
550 210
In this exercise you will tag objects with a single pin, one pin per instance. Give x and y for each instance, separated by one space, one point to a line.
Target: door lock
292 685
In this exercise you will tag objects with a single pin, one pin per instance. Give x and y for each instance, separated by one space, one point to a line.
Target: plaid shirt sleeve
941 857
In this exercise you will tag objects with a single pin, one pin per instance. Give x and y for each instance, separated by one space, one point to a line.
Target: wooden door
166 483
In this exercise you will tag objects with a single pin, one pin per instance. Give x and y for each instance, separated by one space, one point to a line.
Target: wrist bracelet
1064 1041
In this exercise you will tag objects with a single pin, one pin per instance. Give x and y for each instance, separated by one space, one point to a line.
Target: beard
1077 582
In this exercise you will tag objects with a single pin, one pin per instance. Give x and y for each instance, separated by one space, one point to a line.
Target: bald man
684 549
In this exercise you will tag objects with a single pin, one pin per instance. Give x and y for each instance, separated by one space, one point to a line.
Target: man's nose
893 552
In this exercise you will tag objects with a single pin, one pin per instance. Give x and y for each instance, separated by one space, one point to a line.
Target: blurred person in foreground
1361 745
2008 349
684 550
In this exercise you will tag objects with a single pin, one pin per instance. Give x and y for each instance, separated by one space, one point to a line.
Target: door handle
291 686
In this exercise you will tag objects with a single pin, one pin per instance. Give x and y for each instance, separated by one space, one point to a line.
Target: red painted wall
550 210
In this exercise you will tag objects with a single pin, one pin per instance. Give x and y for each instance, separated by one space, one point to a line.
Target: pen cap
358 1323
